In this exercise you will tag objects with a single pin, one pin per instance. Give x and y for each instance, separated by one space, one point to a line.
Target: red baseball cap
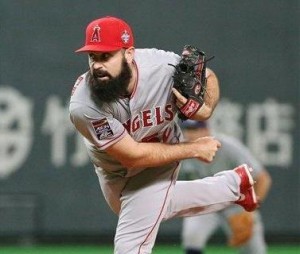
107 34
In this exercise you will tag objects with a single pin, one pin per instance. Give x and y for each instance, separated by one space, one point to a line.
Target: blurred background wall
48 188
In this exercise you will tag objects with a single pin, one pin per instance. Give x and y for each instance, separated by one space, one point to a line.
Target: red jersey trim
162 208
137 79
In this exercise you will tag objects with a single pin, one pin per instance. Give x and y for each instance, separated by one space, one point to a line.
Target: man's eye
105 56
100 57
92 57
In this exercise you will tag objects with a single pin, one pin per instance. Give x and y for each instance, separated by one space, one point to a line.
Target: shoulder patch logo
96 34
102 129
125 37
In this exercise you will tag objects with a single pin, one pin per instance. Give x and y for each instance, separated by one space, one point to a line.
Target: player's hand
203 112
180 99
208 147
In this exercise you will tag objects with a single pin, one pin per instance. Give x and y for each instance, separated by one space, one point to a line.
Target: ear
129 55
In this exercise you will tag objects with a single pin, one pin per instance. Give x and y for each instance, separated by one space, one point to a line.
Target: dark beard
112 89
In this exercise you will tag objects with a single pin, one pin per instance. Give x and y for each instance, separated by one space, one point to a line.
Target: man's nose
97 65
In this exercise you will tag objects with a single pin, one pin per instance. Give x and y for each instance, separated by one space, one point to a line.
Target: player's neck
133 80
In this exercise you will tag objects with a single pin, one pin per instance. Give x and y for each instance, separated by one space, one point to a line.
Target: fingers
180 99
211 146
218 143
185 52
209 139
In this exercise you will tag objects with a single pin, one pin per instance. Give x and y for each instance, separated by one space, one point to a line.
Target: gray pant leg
207 195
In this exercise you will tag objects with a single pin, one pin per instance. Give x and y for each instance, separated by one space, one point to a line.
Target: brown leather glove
241 225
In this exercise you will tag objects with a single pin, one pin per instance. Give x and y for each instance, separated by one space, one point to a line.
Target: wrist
203 113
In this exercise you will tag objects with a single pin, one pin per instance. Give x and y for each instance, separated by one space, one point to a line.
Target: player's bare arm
134 154
211 97
263 184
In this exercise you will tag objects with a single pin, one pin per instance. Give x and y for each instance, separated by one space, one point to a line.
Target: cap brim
97 48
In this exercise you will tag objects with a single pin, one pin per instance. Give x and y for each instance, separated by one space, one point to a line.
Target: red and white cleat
248 199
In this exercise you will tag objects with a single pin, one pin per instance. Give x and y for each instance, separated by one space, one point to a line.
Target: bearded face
105 88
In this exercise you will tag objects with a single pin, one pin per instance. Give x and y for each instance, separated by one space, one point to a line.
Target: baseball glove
241 225
190 80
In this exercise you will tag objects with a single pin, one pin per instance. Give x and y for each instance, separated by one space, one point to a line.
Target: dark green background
256 44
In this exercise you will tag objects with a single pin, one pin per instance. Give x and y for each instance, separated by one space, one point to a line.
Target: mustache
98 73
105 91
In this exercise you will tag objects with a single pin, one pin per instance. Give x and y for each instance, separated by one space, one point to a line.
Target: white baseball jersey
147 115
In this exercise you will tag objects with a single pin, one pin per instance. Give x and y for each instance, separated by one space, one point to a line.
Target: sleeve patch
102 129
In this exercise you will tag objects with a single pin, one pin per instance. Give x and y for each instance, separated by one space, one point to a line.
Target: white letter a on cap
96 34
